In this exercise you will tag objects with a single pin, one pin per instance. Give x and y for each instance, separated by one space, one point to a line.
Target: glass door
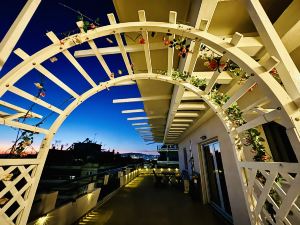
215 179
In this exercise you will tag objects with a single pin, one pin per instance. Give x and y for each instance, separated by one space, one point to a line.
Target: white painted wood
192 106
142 99
139 124
175 101
146 118
206 12
240 93
236 38
265 118
23 126
132 111
215 76
186 114
72 60
180 125
14 116
182 120
112 20
100 58
172 20
222 78
142 18
19 109
13 35
188 95
116 50
287 69
23 55
270 63
32 98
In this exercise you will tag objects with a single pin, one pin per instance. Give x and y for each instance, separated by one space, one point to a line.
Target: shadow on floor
141 203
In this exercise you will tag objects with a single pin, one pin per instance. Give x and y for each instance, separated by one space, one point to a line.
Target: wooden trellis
20 189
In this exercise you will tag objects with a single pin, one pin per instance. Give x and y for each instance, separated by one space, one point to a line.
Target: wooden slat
72 60
146 118
100 58
139 124
23 55
116 50
32 98
242 91
19 109
215 76
223 78
172 20
265 118
14 33
133 111
192 106
178 92
142 18
112 20
23 126
142 99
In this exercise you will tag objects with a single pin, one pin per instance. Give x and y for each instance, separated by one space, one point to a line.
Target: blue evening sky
97 118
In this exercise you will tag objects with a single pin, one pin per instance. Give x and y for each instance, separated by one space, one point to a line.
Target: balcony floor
141 203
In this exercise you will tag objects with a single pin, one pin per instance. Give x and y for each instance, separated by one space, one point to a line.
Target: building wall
214 128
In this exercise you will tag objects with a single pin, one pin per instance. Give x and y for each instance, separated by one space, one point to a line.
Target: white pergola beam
188 95
112 20
262 119
180 125
186 114
146 118
223 78
142 18
172 19
287 69
240 93
23 55
133 111
192 106
13 35
215 76
23 126
139 124
32 98
206 12
116 50
142 99
14 116
182 120
176 99
100 58
72 60
19 109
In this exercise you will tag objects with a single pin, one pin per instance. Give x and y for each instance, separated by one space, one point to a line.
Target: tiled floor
141 203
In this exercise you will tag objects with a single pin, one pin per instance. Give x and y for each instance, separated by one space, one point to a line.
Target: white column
14 33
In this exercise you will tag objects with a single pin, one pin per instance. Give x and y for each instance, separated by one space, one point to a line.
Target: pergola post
14 33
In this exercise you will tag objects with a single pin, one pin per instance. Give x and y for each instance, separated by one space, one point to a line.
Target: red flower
274 72
142 41
166 41
43 94
92 26
212 64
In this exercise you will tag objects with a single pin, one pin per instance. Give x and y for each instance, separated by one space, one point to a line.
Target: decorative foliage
179 44
275 74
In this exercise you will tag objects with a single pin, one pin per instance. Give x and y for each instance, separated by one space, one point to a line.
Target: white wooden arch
285 111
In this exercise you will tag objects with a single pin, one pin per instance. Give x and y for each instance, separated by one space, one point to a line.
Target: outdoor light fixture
203 137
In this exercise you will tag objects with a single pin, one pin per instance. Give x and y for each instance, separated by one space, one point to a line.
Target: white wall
70 212
214 128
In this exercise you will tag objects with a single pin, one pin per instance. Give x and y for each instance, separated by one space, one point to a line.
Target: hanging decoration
53 59
109 40
142 41
178 44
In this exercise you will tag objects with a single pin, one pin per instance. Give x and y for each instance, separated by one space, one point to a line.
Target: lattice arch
285 112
